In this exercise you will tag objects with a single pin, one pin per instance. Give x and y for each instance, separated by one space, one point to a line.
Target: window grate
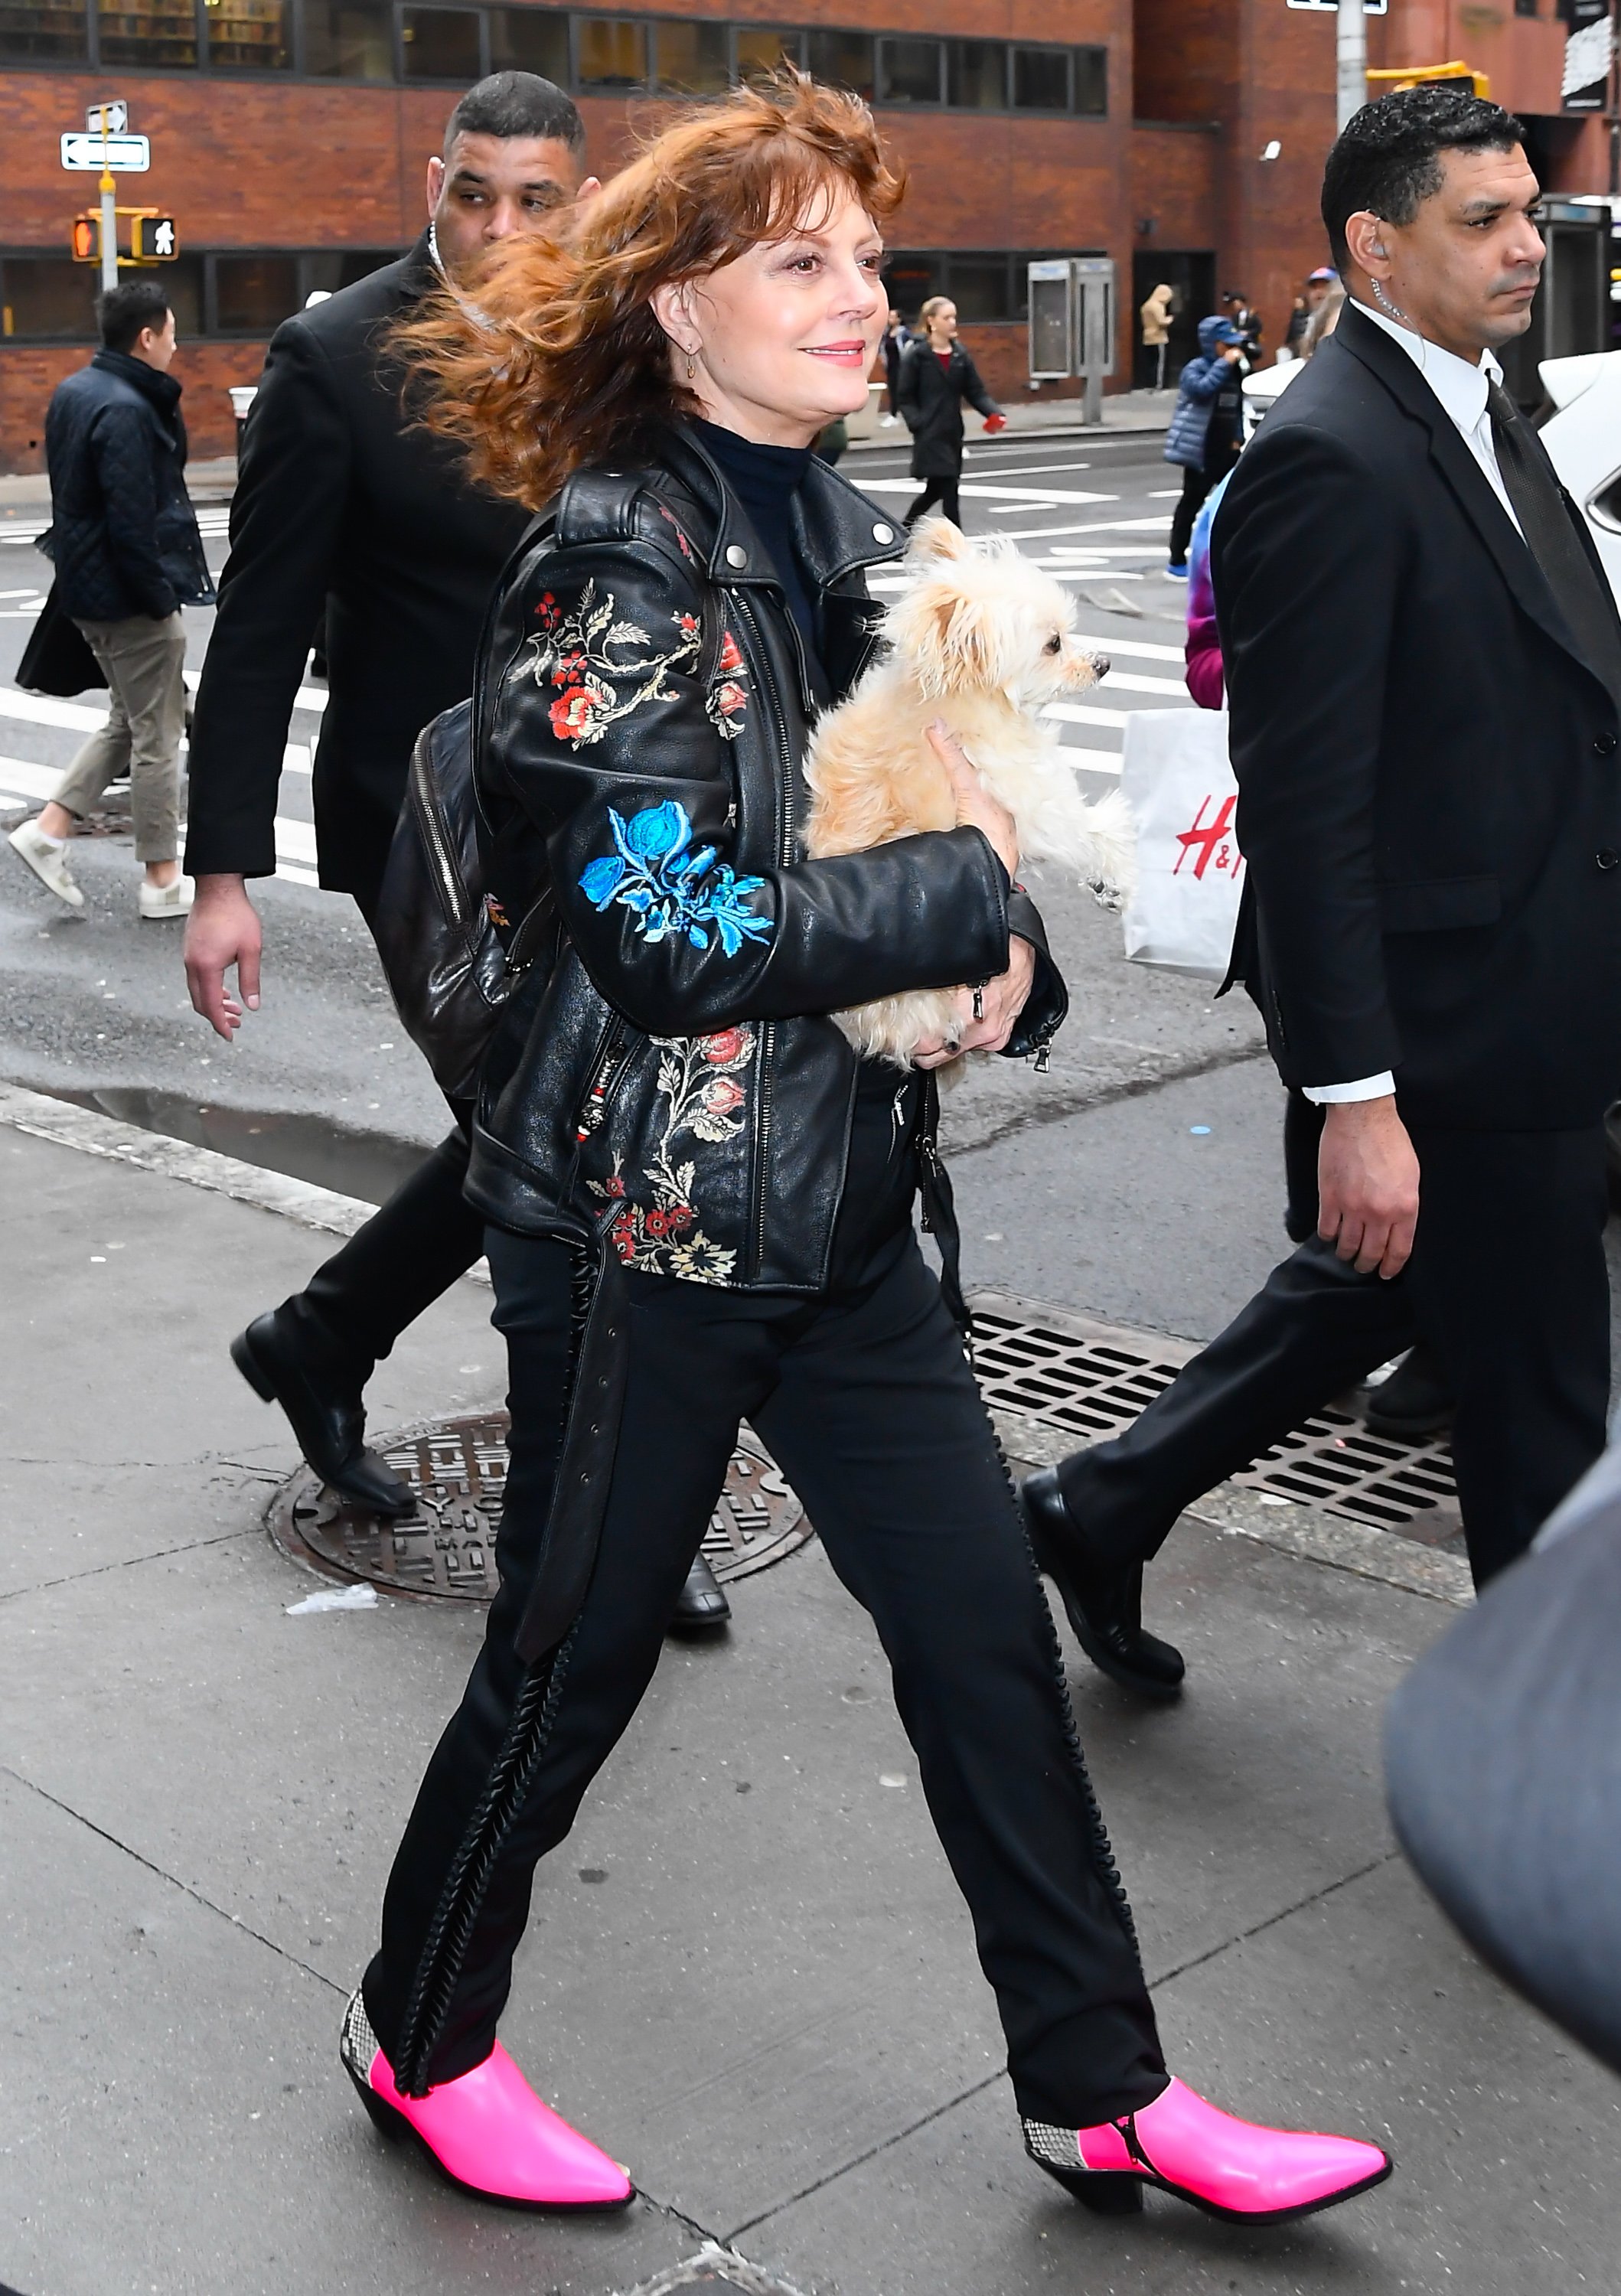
1091 1379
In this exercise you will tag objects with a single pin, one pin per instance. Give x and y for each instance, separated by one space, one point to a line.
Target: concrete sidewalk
748 1974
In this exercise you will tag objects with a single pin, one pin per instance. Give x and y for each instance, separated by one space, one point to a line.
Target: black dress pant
407 1255
1196 484
943 491
868 1404
1507 1282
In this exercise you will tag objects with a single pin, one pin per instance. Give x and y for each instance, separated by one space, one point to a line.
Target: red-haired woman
700 1202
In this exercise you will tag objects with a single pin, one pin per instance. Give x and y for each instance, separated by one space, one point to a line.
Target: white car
1584 441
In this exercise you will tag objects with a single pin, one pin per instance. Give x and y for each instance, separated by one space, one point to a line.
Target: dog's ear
936 538
952 641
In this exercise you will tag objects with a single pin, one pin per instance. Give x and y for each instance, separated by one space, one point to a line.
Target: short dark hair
1386 157
122 312
518 104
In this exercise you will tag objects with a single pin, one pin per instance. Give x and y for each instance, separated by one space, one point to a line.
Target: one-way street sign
127 155
113 117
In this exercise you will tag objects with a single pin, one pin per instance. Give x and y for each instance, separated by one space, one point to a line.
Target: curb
1308 1533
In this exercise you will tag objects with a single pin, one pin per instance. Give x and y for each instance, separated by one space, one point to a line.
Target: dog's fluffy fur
981 639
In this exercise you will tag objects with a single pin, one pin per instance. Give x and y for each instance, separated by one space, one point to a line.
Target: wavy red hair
553 358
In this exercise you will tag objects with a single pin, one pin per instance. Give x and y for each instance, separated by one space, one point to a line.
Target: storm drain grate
1091 1379
457 1470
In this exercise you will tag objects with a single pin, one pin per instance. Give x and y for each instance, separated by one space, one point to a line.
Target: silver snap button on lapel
882 533
736 556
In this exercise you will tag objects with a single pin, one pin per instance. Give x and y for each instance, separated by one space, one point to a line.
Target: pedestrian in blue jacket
1207 430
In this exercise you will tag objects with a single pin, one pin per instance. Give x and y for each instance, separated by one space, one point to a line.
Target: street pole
1351 58
110 213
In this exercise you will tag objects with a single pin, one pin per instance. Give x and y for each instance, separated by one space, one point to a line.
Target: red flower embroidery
686 547
571 714
547 611
656 1225
730 658
730 699
688 625
724 1046
722 1096
613 1186
680 1217
624 1233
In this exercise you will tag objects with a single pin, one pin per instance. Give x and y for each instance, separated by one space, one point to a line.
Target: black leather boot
701 1607
1103 1602
324 1409
1416 1400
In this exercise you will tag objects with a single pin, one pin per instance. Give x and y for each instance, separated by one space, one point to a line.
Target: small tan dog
979 640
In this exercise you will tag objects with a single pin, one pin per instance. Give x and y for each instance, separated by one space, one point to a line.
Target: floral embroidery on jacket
670 889
724 704
697 1076
604 668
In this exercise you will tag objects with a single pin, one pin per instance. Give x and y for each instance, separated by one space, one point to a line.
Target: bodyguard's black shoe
1104 1603
328 1423
701 1607
1416 1400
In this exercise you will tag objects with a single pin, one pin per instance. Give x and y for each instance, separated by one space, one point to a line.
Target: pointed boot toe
1103 1605
1228 2168
487 2131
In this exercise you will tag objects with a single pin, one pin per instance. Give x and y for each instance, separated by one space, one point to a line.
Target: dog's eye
1055 644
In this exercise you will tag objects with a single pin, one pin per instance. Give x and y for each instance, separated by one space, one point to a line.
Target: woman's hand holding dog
1002 1000
976 808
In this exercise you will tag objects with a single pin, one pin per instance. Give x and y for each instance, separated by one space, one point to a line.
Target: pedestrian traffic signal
153 239
86 239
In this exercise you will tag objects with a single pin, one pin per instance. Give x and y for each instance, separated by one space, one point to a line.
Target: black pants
1196 484
868 1404
1507 1282
943 491
407 1255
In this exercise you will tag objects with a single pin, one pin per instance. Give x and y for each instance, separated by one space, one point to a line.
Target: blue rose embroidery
670 889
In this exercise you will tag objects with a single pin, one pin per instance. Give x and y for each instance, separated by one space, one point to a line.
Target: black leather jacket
123 534
668 1070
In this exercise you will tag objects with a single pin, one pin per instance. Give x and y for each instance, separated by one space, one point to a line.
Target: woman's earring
692 367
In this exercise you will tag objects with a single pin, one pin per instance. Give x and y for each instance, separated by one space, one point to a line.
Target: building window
1041 80
43 31
147 32
1090 91
979 287
349 39
337 267
532 40
250 35
844 60
909 71
760 48
692 57
977 74
910 278
182 282
254 293
46 297
612 53
439 43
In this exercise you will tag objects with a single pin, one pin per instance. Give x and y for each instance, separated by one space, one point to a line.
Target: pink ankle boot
487 2131
1228 2168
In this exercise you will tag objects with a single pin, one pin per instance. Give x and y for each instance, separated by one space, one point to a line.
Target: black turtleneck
765 479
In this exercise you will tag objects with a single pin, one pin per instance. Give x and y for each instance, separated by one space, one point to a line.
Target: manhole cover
1091 1379
457 1469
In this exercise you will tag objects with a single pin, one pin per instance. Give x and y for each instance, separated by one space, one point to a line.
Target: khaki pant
142 659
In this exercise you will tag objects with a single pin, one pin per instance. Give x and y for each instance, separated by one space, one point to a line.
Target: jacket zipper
607 1070
768 1033
452 890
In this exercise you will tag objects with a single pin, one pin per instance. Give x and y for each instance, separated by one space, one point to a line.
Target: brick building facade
290 139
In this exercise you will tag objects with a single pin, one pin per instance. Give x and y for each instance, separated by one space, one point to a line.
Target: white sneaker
887 422
48 859
171 900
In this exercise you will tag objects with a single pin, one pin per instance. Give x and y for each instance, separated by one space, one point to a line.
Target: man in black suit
1423 660
343 511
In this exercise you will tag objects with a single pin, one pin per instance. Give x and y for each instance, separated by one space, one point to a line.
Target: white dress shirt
1462 390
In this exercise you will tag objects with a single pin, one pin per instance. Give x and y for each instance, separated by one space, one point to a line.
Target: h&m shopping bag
1179 784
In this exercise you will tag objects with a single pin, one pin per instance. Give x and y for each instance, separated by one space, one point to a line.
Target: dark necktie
1583 596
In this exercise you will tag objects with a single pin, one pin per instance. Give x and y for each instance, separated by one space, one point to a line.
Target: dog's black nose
1101 664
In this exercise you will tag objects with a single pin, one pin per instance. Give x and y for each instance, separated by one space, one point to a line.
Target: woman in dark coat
937 375
700 1202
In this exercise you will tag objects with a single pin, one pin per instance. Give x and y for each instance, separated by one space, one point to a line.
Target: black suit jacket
1429 790
341 507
